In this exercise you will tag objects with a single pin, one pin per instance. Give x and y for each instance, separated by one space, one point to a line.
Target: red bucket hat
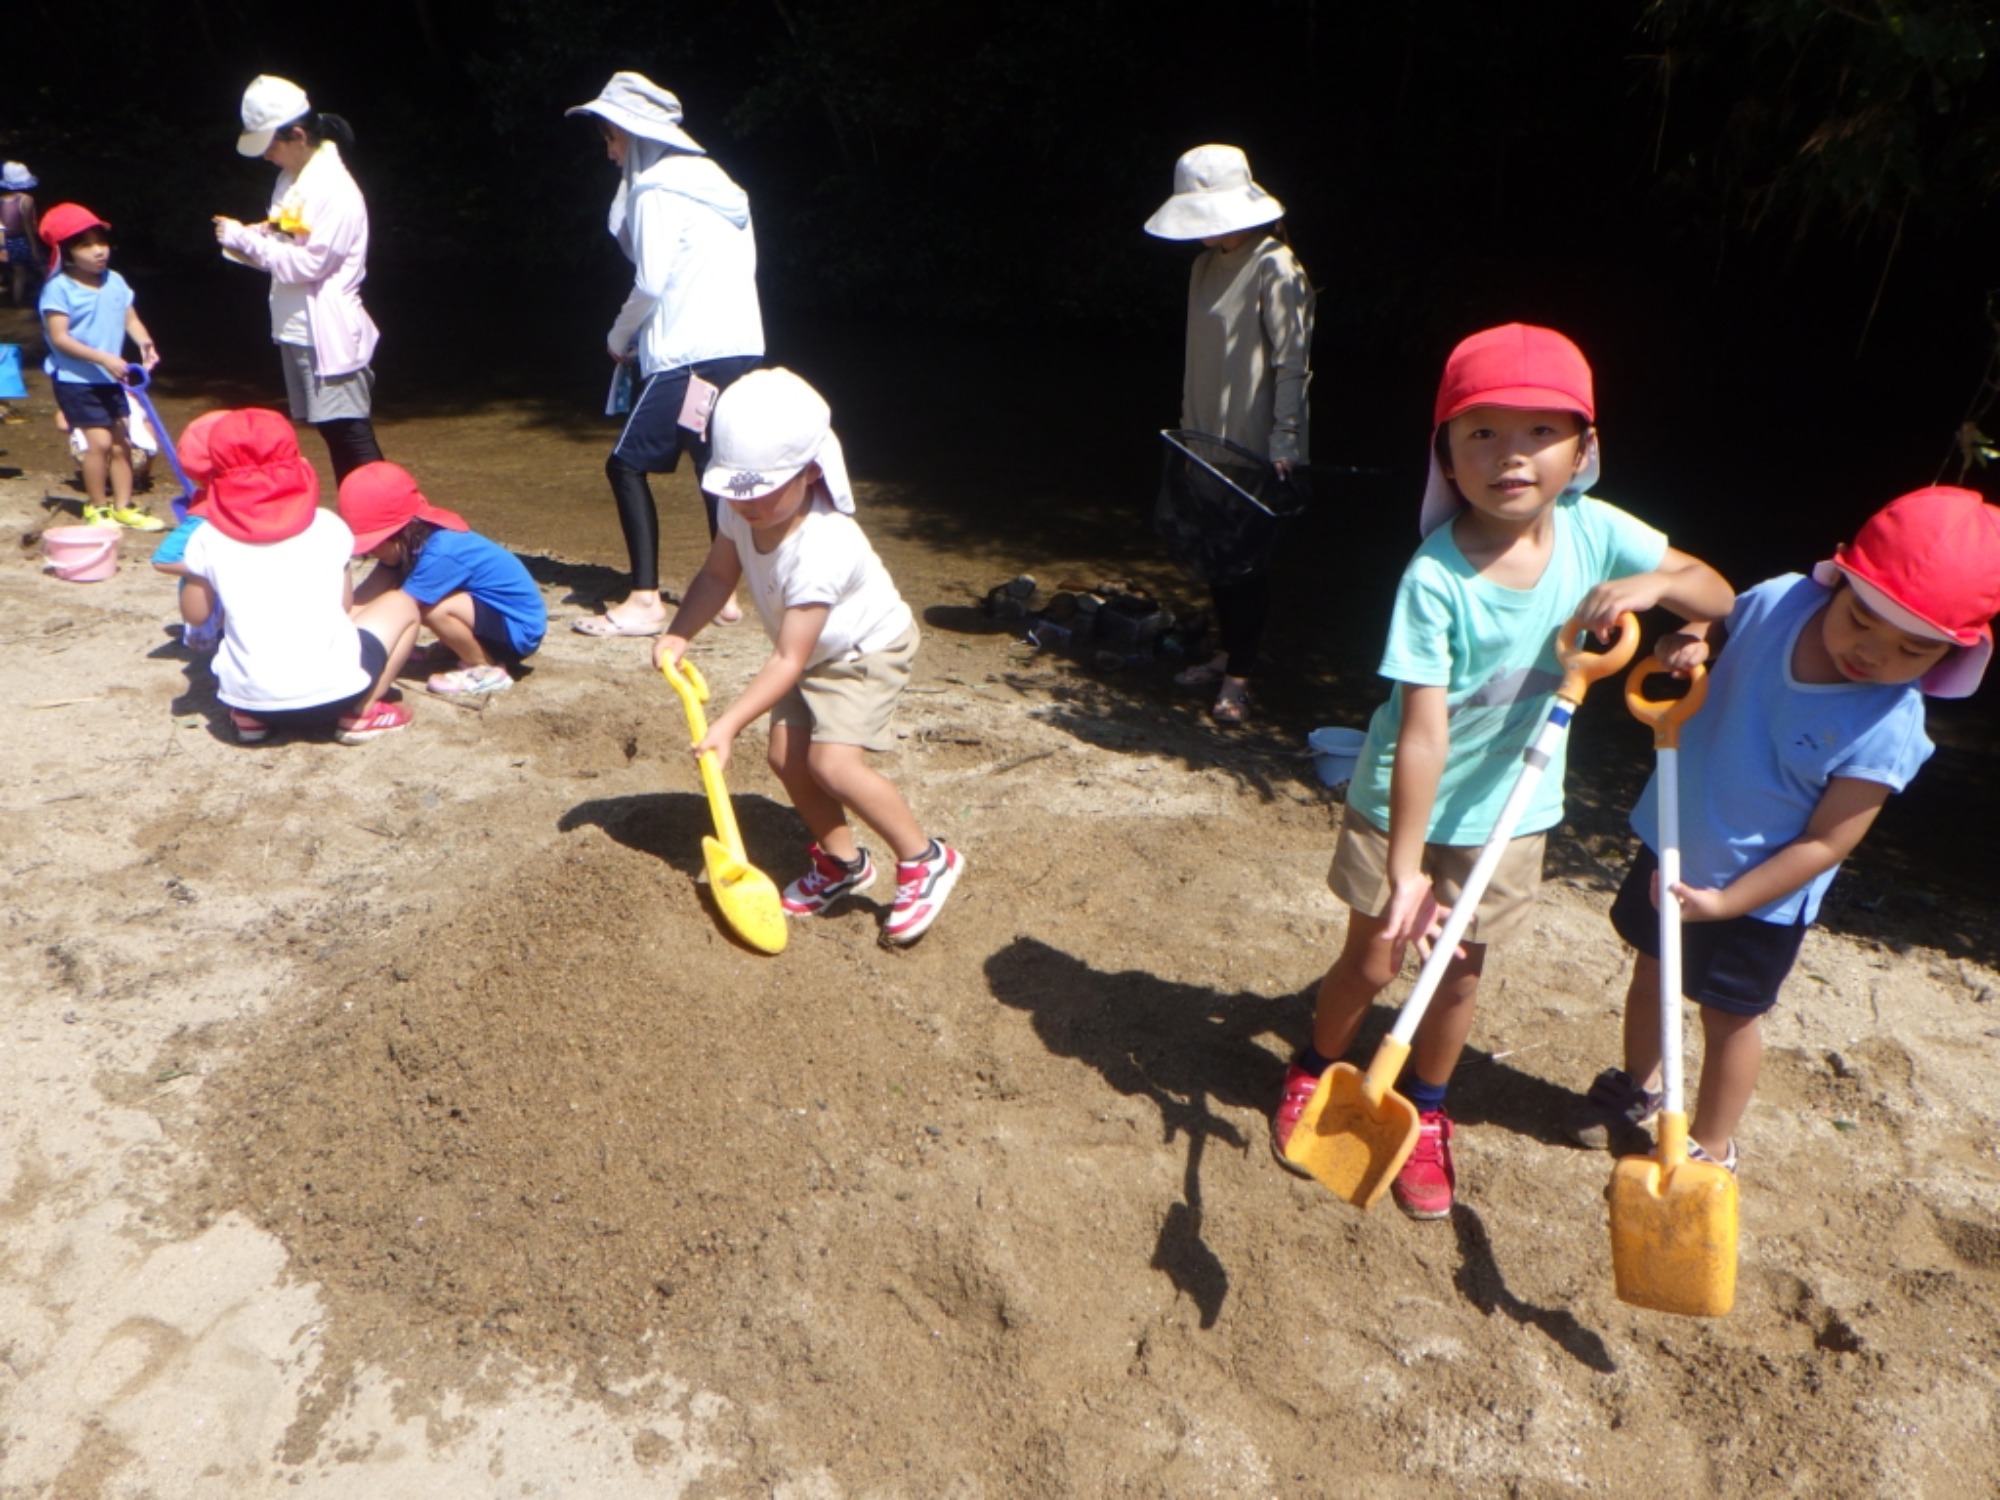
1929 563
259 489
63 222
378 500
1517 366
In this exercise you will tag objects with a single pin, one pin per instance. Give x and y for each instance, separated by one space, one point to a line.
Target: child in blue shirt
1513 549
1815 714
472 593
87 315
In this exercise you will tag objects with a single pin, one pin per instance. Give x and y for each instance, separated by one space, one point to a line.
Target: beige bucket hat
1213 194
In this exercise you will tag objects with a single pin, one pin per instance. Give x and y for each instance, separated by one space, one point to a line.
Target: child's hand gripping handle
1581 667
1664 716
686 680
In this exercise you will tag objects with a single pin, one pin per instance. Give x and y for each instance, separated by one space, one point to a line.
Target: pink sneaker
1423 1189
825 883
383 718
921 887
1292 1101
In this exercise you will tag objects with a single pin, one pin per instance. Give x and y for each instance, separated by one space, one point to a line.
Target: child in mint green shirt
1513 549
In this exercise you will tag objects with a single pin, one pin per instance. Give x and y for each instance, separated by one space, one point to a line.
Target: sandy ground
399 1121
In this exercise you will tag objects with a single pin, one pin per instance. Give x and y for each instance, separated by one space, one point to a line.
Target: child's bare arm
1846 811
1423 741
1686 585
136 332
706 593
381 578
798 634
56 326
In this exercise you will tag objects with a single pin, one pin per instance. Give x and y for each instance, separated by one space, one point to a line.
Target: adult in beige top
1249 343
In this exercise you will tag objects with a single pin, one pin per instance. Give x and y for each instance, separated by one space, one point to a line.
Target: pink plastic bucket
81 554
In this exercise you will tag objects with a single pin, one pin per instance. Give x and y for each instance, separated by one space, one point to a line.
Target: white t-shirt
286 639
827 560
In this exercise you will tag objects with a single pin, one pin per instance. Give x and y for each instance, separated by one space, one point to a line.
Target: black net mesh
1220 506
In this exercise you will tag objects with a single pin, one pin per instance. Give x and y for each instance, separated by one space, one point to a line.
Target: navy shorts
1736 966
653 439
374 660
490 626
98 404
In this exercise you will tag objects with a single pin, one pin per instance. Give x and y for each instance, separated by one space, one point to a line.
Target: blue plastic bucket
12 387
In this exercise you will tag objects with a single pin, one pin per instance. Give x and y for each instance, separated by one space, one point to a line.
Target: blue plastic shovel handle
136 380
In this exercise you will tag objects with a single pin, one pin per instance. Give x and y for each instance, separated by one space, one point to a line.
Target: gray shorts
317 398
850 702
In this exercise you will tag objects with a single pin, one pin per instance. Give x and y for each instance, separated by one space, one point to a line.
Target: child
202 632
138 433
291 657
1513 548
1249 342
1815 714
844 642
18 229
87 315
473 594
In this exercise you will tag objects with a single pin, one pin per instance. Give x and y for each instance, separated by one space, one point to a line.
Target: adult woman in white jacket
314 247
691 325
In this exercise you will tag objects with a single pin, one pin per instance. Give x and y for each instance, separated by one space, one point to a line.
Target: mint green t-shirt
1493 651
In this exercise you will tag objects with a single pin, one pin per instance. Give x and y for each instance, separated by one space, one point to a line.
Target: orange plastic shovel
1673 1221
748 900
1357 1131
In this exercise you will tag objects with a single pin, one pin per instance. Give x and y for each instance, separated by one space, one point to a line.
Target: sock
1428 1097
931 851
1310 1061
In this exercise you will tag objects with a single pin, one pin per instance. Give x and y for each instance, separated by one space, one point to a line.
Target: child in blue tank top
1815 714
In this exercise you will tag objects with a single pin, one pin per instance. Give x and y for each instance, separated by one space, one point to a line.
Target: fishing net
1220 506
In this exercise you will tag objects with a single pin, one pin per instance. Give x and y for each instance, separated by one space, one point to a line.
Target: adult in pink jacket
314 246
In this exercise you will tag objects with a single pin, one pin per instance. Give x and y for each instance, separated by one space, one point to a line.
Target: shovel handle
685 679
1664 716
1582 667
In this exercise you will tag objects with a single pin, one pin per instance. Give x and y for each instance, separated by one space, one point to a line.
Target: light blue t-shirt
1493 650
1756 759
454 561
96 317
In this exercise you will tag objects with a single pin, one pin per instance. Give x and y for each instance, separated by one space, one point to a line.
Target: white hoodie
686 227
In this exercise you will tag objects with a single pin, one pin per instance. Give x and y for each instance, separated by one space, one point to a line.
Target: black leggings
1242 606
639 519
350 443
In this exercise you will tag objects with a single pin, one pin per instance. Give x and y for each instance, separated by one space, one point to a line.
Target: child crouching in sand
472 593
843 642
291 657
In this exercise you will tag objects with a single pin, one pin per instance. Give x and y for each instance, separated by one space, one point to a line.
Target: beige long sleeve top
1249 347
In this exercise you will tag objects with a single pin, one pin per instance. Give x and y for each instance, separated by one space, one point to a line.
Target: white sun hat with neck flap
1213 194
638 106
766 427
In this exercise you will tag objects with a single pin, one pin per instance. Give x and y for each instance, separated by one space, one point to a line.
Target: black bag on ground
1221 506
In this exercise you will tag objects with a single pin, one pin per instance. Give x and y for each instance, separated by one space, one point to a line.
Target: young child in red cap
1815 714
1513 548
291 657
472 593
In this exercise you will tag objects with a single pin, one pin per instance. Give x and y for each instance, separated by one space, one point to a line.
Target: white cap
638 106
267 104
766 427
1213 194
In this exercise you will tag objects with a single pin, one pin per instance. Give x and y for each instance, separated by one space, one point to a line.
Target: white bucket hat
639 106
766 428
16 178
1213 194
267 104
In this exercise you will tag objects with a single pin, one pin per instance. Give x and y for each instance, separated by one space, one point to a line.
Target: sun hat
1521 367
196 460
65 222
639 106
269 103
1929 562
1213 194
767 427
260 490
378 500
16 178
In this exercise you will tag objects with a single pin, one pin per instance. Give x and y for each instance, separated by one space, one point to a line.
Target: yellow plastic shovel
1357 1131
1673 1221
748 899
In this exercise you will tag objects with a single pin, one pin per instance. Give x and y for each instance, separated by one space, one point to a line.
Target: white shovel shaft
1670 926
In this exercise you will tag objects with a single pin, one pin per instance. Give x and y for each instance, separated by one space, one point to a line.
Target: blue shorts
490 626
1736 966
95 404
653 439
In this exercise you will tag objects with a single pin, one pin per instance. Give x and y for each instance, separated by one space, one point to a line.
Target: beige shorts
1360 877
850 702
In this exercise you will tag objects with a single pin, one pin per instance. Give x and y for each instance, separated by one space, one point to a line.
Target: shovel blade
746 897
1353 1144
1673 1236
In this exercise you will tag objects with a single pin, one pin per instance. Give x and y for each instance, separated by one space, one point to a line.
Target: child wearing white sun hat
1249 346
843 642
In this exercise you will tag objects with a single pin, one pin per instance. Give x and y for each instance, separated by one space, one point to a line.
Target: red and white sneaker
825 883
1292 1101
1423 1189
921 887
